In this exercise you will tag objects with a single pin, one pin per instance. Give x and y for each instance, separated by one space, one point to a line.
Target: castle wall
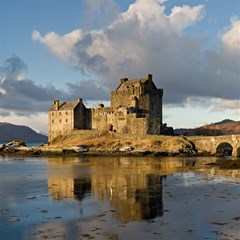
80 116
137 126
121 99
120 120
60 123
144 103
100 118
155 104
154 126
88 116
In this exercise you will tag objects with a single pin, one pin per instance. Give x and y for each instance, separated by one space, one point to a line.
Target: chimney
123 80
149 77
56 103
79 100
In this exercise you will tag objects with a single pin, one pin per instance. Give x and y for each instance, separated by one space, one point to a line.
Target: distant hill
9 132
225 127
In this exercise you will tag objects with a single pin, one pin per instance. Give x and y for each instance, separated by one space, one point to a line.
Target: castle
136 108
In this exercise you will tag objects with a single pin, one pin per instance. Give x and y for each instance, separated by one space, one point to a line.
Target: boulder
16 143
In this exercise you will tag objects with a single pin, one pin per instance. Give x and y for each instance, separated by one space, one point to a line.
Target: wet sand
118 198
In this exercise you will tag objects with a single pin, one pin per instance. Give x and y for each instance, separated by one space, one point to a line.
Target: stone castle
136 108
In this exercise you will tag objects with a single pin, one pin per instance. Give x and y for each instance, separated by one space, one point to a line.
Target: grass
109 141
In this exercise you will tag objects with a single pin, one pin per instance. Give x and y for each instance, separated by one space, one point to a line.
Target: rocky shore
93 142
126 146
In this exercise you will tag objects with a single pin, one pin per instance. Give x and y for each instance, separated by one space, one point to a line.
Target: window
66 113
52 121
66 120
60 120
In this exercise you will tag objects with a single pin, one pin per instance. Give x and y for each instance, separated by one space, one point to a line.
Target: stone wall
154 126
100 118
137 126
80 116
121 99
60 123
156 104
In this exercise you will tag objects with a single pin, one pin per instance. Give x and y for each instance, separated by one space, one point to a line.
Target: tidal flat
118 198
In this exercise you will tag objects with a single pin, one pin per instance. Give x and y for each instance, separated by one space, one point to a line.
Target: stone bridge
218 145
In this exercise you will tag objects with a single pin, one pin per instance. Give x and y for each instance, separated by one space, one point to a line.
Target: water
117 198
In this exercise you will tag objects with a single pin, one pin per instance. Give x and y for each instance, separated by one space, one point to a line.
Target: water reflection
133 186
99 198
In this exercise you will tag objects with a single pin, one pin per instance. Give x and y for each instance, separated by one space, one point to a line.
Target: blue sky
65 49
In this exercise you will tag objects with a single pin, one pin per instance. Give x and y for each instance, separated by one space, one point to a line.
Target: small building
64 117
136 108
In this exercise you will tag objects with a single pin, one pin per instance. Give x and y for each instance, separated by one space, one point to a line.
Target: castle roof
131 83
64 106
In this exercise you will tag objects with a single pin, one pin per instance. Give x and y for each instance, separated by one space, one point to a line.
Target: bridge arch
224 149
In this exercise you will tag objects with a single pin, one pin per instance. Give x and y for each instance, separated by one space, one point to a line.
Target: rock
2 146
16 143
125 149
74 150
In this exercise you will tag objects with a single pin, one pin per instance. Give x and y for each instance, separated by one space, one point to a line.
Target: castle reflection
133 186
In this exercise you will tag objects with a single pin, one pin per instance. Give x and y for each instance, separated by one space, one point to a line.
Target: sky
66 49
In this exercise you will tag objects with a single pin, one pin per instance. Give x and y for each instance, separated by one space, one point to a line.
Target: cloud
231 37
184 16
61 46
98 13
144 39
87 88
221 105
23 96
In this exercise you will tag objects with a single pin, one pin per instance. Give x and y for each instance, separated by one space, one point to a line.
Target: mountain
9 132
225 127
223 122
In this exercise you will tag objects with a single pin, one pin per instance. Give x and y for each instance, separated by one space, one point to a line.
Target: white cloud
184 16
231 37
215 104
61 46
25 98
221 105
3 91
144 39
